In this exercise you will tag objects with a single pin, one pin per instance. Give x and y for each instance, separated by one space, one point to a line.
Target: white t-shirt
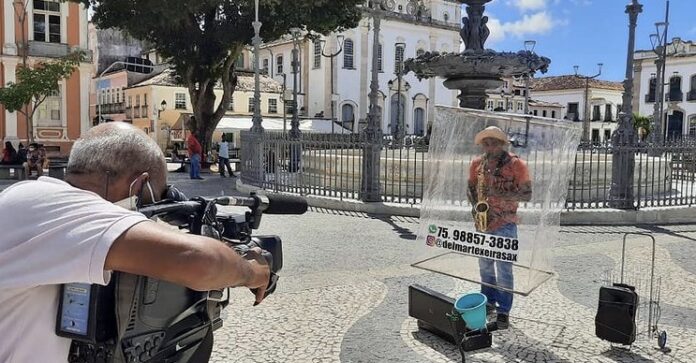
50 233
224 150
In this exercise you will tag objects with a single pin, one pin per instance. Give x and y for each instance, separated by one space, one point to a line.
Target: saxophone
482 207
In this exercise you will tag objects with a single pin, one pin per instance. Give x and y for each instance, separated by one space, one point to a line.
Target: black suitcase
616 315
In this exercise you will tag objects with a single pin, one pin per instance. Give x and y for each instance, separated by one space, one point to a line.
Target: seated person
36 158
9 154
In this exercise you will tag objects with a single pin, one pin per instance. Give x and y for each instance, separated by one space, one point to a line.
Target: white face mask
131 203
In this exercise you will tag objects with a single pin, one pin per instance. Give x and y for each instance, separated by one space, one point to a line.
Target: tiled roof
572 82
245 81
538 103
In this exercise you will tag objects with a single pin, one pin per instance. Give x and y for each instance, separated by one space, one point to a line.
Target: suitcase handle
623 255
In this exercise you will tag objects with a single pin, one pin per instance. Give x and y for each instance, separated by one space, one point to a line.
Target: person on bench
36 158
9 154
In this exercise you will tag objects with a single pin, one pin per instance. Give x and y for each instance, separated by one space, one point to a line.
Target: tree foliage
36 83
202 38
644 123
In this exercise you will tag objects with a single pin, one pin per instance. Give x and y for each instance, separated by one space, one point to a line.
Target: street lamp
658 40
155 124
331 55
295 122
372 134
529 46
400 131
624 137
586 119
256 118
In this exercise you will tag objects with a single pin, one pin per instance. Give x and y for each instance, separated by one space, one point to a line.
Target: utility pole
588 109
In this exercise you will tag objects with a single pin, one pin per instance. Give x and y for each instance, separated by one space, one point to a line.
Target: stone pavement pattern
342 296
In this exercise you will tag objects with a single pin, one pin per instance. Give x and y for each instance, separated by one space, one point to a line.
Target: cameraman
81 229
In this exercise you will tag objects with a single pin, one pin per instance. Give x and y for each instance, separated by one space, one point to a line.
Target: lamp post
529 46
285 101
155 123
400 131
587 109
331 55
659 46
372 134
623 138
256 118
295 121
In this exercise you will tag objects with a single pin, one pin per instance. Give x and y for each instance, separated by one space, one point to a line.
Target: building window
399 59
573 111
264 66
347 114
608 114
251 104
652 86
692 125
500 106
543 113
445 16
239 63
553 114
596 116
272 105
47 21
520 106
136 107
49 111
279 64
180 101
380 58
419 121
536 113
317 54
420 52
675 92
231 106
348 54
490 105
692 89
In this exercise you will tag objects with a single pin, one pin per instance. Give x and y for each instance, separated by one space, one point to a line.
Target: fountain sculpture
476 69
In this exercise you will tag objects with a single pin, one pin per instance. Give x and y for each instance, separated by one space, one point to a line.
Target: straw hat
492 132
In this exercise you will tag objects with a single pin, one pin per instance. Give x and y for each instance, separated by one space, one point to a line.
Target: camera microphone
285 204
268 204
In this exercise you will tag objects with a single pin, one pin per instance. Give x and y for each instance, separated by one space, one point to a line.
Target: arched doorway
401 107
675 125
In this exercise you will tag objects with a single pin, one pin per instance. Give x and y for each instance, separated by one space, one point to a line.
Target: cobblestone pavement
343 295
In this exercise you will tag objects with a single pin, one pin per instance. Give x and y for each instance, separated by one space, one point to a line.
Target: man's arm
197 262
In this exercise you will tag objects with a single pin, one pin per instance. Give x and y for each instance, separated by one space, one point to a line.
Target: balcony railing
649 98
675 96
691 96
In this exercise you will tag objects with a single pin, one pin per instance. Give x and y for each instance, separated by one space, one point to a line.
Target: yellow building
158 105
51 29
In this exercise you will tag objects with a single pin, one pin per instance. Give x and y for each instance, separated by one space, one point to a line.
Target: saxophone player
498 181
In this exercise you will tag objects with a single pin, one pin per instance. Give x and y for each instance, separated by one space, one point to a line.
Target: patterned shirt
507 183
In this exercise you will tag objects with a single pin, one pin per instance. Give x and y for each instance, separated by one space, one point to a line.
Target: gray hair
122 150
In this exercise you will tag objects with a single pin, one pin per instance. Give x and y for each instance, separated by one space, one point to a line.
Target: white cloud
538 23
525 5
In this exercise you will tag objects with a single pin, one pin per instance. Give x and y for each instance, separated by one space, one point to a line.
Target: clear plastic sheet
451 243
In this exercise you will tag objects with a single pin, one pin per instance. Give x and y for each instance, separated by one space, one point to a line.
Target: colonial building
679 117
511 97
51 29
159 106
581 99
338 87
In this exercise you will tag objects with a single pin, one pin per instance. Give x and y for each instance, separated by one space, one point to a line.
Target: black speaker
616 314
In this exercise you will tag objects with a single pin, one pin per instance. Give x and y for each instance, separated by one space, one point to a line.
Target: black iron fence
331 165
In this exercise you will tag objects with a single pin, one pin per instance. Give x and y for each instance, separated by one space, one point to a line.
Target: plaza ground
343 297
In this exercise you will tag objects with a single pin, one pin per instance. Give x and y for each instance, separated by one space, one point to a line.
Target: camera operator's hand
262 273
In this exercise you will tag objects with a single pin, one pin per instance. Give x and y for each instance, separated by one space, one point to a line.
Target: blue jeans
195 171
503 278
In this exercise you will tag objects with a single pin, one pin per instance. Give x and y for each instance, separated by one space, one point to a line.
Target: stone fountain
476 69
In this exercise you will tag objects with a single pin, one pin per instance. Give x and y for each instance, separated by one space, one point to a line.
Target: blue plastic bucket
472 308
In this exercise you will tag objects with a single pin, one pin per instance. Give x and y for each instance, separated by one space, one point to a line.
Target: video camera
141 319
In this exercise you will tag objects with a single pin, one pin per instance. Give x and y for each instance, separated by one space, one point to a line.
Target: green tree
202 39
36 83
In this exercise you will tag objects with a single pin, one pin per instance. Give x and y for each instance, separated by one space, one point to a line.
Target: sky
583 32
